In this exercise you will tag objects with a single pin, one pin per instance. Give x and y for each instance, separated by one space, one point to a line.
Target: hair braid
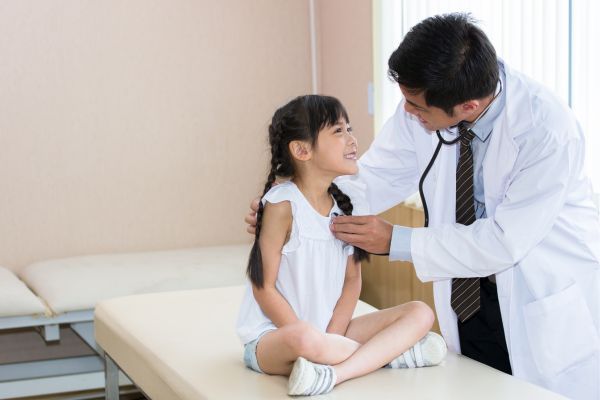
300 119
255 269
345 204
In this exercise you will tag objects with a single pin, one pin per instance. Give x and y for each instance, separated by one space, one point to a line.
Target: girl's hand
368 232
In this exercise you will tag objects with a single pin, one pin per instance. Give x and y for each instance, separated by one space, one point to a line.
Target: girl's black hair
300 119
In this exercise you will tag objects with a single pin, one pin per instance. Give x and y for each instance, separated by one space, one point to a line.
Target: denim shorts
250 353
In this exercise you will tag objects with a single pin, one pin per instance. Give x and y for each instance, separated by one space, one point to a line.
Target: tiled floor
26 345
23 345
127 394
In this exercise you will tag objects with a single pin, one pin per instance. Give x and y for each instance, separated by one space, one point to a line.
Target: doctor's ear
300 150
468 108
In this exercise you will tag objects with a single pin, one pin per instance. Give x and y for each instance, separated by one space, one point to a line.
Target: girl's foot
308 379
428 351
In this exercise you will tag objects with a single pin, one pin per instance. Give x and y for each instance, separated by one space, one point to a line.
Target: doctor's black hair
448 58
300 119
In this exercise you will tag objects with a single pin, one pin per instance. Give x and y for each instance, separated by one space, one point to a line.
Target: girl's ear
300 150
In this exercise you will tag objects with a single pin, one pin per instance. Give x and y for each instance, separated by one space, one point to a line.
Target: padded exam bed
183 346
64 292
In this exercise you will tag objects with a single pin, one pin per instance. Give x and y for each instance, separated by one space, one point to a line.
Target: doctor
513 237
509 207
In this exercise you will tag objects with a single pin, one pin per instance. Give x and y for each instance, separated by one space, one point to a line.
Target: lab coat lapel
500 157
498 167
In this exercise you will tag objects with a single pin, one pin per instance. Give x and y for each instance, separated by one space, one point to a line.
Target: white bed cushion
78 283
15 298
182 345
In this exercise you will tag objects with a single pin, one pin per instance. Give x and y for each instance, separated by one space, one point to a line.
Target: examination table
53 295
182 345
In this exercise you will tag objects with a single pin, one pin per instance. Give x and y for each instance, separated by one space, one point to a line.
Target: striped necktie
465 300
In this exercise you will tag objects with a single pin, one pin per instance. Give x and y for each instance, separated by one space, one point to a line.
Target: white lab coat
541 237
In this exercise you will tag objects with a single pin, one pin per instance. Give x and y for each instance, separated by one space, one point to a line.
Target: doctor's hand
368 232
250 218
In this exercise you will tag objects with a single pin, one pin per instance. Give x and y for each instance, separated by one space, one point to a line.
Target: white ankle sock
308 379
325 380
430 350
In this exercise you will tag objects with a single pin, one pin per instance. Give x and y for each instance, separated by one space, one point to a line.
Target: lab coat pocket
560 331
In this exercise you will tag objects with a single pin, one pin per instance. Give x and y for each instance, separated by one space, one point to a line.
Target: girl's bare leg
277 350
384 335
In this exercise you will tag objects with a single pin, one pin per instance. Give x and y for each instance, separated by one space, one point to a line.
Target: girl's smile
351 156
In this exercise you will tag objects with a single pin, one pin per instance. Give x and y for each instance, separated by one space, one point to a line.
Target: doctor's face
430 117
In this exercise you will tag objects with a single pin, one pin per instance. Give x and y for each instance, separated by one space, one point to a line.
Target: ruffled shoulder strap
284 191
287 191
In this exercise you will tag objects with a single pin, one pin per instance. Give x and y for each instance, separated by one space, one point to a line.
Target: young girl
296 315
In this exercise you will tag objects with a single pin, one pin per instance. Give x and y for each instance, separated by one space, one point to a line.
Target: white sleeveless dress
311 272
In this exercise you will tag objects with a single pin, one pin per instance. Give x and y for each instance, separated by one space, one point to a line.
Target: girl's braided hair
300 119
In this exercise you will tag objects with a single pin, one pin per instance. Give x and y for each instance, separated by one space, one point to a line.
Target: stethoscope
442 141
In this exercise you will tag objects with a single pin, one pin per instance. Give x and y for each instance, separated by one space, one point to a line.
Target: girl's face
336 150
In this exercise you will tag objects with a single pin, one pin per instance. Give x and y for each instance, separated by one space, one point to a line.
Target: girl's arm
342 314
275 227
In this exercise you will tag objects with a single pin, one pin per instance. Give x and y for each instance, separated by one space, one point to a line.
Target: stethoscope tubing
441 141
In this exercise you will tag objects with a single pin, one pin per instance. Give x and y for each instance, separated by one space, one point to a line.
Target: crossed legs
371 341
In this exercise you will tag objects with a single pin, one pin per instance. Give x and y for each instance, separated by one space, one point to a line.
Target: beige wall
345 58
140 125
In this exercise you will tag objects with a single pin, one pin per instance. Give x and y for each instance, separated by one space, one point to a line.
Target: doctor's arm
275 225
389 170
530 204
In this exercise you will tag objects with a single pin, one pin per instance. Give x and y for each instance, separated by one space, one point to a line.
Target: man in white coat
531 247
533 244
